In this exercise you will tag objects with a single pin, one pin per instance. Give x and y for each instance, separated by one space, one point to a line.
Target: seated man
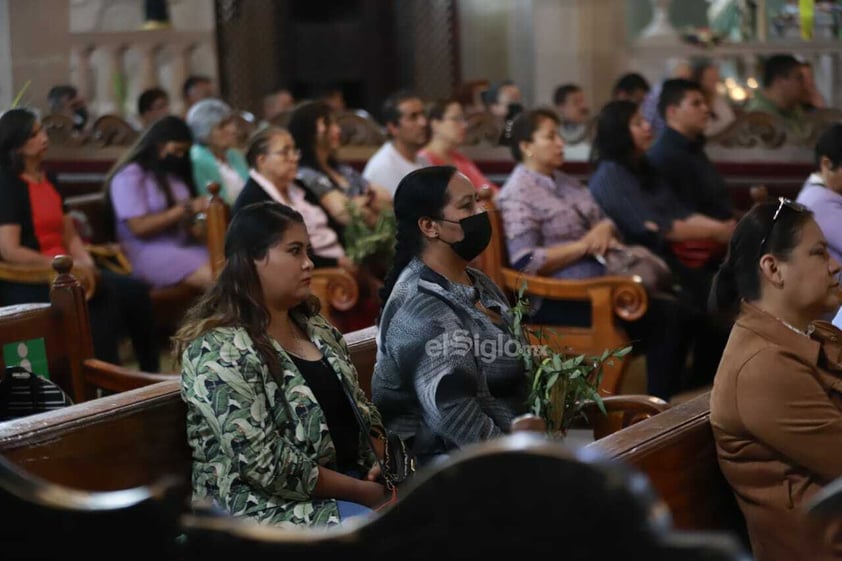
675 68
275 103
195 89
632 87
405 121
65 100
503 101
783 91
570 104
152 104
679 153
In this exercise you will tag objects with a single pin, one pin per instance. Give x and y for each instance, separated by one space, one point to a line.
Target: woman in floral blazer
266 380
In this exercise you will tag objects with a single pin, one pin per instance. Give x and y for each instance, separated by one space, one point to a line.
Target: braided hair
420 194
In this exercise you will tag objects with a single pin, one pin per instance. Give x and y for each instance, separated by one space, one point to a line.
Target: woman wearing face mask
443 378
153 198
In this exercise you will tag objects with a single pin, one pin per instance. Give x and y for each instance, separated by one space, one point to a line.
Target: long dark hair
303 125
236 299
739 276
144 152
613 140
16 127
422 193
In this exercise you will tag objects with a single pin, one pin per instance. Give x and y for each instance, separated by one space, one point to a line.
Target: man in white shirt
403 116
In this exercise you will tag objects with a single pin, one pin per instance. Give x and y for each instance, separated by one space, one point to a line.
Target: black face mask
80 118
174 164
477 230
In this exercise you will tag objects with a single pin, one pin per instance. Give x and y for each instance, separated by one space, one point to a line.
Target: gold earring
529 154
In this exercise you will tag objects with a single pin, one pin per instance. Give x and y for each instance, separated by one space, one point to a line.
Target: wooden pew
65 328
676 450
139 436
470 506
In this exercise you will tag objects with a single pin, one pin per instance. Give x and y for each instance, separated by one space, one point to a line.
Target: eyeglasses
782 202
286 153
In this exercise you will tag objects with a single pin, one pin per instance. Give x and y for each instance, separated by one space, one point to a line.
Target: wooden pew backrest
676 450
116 442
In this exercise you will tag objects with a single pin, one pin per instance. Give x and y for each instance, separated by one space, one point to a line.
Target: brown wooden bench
138 436
676 451
64 326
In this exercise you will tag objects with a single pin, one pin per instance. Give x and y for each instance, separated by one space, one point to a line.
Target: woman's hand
373 494
600 237
374 473
88 276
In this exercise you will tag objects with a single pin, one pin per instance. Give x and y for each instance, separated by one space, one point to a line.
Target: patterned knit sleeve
452 392
228 421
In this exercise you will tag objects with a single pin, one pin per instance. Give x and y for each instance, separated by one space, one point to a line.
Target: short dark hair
192 81
258 144
779 66
829 146
564 90
673 92
630 82
390 112
489 96
525 125
58 94
148 98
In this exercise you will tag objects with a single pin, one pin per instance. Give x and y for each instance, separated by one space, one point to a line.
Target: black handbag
398 462
23 393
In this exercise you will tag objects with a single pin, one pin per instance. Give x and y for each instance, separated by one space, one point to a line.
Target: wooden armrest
621 411
335 287
115 378
627 295
30 274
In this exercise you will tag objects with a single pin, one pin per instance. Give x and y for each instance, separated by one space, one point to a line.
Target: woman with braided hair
447 373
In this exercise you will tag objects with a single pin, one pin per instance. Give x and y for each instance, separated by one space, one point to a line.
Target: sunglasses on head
782 202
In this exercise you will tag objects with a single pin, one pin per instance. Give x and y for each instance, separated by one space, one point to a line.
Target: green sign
30 354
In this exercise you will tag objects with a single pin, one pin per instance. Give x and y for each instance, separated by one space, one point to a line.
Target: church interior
373 277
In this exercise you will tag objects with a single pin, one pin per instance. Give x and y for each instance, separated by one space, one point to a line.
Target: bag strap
363 425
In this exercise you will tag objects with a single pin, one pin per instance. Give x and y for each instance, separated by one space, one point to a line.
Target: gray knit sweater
446 374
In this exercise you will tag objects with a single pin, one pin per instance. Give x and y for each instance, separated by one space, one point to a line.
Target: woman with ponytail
776 399
269 386
447 373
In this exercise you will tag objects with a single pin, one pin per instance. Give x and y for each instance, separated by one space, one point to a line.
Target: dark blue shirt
631 199
682 162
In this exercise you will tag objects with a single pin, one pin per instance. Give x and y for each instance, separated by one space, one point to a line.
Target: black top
341 421
253 193
15 207
683 163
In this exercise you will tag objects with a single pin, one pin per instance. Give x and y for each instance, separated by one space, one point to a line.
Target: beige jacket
775 412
